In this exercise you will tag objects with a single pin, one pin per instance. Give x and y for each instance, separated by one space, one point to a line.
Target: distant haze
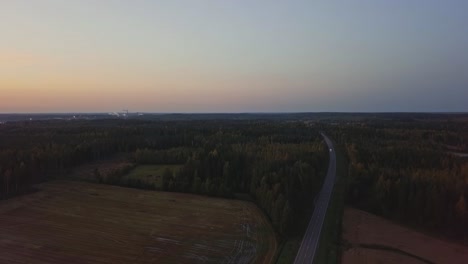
233 56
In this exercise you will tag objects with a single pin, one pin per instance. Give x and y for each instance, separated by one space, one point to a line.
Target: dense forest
411 171
279 165
411 168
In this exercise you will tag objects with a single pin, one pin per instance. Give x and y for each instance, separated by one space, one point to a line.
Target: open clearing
150 174
77 222
363 230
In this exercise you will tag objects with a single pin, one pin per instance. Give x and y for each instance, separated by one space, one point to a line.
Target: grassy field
329 250
289 250
78 222
150 174
373 239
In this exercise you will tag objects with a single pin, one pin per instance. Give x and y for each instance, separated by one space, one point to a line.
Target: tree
285 218
166 179
98 175
460 207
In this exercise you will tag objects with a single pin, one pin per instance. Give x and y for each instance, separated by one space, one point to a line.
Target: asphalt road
310 241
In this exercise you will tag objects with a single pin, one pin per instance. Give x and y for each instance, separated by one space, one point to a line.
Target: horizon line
240 113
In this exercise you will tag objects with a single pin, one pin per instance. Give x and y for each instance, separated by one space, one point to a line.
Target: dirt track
364 228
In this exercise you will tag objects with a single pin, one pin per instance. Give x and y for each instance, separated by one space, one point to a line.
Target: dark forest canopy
300 116
405 167
280 164
410 171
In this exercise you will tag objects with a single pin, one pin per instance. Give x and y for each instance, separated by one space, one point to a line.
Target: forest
410 170
279 165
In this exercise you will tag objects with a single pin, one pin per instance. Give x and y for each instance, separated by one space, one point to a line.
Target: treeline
282 178
279 164
406 171
33 152
170 156
281 169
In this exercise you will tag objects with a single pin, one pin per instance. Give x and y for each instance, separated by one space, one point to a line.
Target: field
77 222
150 174
373 239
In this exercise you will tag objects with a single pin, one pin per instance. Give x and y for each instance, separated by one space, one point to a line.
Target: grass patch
289 250
329 250
149 175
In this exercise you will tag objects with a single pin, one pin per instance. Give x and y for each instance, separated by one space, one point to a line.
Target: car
331 150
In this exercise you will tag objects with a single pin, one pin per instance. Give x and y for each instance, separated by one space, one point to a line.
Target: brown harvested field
76 222
367 255
360 227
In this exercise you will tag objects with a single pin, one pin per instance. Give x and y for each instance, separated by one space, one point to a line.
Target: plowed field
374 239
75 222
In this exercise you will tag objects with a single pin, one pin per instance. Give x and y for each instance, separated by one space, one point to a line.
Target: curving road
311 239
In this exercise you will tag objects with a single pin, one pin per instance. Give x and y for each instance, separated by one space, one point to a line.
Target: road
310 241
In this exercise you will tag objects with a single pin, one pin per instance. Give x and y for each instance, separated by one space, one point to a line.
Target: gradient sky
233 56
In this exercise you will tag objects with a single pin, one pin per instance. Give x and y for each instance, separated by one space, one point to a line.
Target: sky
233 56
